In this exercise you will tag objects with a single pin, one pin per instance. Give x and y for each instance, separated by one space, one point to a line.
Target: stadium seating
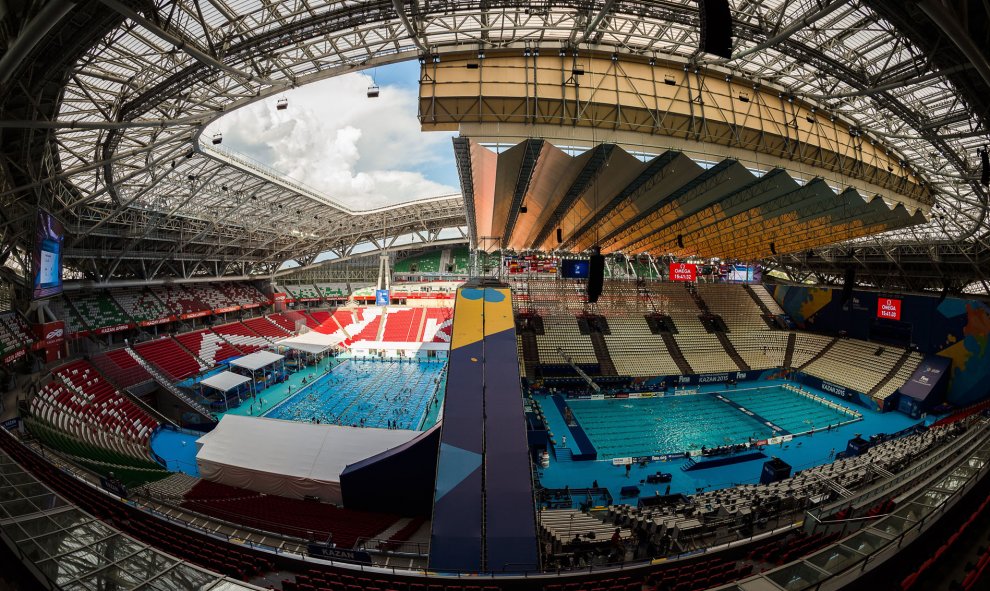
168 356
266 328
461 259
807 346
764 349
904 373
106 407
303 292
763 293
284 322
702 350
64 312
14 332
294 317
242 337
304 519
563 332
208 346
734 304
210 295
854 364
105 422
121 368
438 324
427 262
98 309
366 326
140 304
848 474
178 301
403 324
333 290
635 351
243 294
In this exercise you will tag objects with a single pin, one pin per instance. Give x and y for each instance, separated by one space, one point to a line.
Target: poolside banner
683 272
926 387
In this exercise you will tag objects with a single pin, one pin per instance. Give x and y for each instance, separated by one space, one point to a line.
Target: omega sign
55 334
889 308
683 272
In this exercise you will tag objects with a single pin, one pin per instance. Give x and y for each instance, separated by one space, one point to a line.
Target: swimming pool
369 394
636 427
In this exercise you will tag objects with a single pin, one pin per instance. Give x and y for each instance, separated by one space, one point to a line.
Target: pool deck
276 394
801 453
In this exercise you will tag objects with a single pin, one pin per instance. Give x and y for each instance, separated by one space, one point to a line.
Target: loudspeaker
847 284
596 277
773 248
560 235
680 241
716 27
985 157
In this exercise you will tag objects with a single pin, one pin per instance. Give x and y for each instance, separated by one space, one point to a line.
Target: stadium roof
103 103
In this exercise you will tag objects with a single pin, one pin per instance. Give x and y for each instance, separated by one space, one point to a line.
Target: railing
168 385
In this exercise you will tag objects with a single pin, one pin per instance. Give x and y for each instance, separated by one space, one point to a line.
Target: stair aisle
820 353
789 353
890 374
730 350
675 352
168 385
606 367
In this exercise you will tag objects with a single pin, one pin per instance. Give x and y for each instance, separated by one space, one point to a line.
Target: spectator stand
226 385
264 367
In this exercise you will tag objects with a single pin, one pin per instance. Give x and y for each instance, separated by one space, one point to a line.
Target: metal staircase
164 382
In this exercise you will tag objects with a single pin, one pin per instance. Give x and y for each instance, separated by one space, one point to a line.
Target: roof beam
400 10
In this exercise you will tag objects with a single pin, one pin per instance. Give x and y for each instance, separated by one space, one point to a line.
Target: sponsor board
683 272
327 553
199 314
714 378
157 321
11 424
621 461
112 329
227 309
889 308
835 389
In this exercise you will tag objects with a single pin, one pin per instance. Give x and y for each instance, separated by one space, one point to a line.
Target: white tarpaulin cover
256 360
225 381
313 348
288 458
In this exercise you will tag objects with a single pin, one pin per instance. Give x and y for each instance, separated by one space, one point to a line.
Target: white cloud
359 151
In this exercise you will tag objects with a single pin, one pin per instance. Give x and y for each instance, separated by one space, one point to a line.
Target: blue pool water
669 424
375 392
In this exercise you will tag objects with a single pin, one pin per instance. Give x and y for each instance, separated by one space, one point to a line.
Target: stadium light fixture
217 139
373 91
282 104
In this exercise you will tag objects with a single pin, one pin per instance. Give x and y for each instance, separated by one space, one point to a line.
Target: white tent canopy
225 381
256 360
288 458
312 338
313 348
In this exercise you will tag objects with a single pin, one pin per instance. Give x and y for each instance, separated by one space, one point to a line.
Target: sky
361 152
